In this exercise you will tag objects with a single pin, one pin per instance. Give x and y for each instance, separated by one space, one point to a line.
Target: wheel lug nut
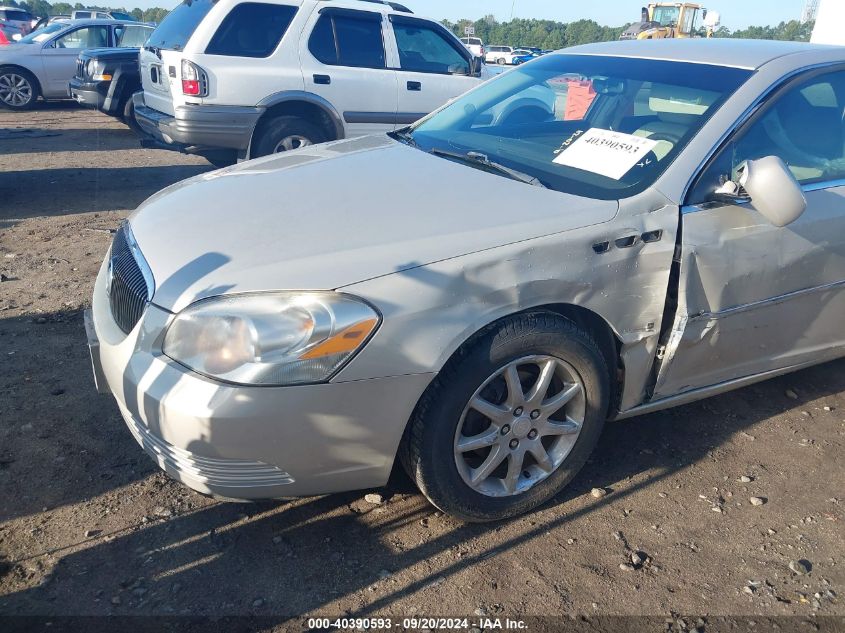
506 429
532 434
535 414
514 443
518 411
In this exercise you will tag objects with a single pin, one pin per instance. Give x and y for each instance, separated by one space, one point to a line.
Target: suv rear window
252 29
176 29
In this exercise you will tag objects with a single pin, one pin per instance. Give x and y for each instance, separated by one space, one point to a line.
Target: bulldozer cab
679 19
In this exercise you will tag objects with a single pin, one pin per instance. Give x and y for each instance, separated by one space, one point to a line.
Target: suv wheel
501 61
18 89
129 116
285 133
510 421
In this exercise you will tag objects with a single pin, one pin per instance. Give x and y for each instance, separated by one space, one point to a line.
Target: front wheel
501 61
510 421
18 89
129 116
284 134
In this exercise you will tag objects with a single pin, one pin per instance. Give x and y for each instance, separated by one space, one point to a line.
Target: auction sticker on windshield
608 153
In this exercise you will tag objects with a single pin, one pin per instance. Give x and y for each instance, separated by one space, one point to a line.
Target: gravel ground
662 521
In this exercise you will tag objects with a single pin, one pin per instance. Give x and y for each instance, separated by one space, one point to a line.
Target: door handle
415 86
322 79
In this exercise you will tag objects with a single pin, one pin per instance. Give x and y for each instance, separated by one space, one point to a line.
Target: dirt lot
88 525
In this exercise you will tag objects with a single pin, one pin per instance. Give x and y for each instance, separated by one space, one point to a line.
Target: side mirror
476 65
773 190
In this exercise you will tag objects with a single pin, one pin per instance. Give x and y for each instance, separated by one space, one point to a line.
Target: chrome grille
130 282
80 68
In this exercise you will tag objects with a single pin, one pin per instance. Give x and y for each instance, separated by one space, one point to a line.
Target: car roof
735 53
101 22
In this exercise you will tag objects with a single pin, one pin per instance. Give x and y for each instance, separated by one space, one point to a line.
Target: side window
89 37
252 29
423 49
82 15
351 38
321 44
132 36
803 126
103 16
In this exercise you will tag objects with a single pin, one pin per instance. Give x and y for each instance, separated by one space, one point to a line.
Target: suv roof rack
393 5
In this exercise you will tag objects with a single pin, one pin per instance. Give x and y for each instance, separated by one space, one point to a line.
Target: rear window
252 29
179 25
348 38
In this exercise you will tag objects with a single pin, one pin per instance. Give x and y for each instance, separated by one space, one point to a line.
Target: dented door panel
430 311
755 298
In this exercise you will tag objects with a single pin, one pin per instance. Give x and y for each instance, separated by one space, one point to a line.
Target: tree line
545 34
42 8
552 35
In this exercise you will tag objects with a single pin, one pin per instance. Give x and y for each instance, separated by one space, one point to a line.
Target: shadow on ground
292 558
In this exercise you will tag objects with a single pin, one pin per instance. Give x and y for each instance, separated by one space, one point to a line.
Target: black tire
432 429
272 132
10 74
222 159
128 116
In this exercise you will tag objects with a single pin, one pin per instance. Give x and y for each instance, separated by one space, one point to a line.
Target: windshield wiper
478 159
404 136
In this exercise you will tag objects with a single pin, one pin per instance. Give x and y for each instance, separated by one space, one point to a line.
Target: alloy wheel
292 142
15 90
519 426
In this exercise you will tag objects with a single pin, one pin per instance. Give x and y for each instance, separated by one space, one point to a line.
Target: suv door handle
415 86
322 79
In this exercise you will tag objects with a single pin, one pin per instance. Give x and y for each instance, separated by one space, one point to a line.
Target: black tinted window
322 44
348 39
176 29
423 49
251 29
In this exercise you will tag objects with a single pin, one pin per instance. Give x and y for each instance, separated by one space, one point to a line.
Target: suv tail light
194 80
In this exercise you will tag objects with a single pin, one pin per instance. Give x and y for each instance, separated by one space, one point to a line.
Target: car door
344 61
754 298
59 55
434 67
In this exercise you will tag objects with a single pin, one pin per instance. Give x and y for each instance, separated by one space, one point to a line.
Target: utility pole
513 5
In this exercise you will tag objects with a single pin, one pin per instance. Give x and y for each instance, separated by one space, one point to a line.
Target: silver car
475 295
43 62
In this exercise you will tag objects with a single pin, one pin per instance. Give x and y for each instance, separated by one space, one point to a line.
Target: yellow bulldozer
662 20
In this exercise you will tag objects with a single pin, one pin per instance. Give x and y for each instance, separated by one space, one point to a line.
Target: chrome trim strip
143 266
835 285
820 186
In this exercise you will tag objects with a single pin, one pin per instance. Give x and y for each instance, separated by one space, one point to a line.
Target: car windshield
595 126
179 25
36 37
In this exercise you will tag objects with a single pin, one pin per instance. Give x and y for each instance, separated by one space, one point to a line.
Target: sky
735 15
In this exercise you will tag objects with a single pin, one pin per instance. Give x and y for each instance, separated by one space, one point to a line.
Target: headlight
270 338
97 70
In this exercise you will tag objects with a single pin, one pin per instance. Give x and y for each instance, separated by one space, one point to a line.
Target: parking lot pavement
89 526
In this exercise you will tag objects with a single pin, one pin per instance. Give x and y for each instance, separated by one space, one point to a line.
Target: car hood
332 215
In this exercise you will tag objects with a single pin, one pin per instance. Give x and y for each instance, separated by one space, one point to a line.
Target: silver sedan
42 63
604 232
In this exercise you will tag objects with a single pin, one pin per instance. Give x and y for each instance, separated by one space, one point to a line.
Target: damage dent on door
607 269
753 298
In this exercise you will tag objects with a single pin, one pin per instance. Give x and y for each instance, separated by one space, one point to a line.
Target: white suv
499 55
231 79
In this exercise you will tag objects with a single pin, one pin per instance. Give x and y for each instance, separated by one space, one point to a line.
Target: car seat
677 109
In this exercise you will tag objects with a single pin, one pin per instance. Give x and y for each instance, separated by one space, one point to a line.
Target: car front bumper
247 443
198 127
88 93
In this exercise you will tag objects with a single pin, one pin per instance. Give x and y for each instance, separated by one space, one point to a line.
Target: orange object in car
4 41
580 96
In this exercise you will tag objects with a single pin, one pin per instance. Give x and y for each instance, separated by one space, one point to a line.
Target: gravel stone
758 501
801 567
374 498
598 493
